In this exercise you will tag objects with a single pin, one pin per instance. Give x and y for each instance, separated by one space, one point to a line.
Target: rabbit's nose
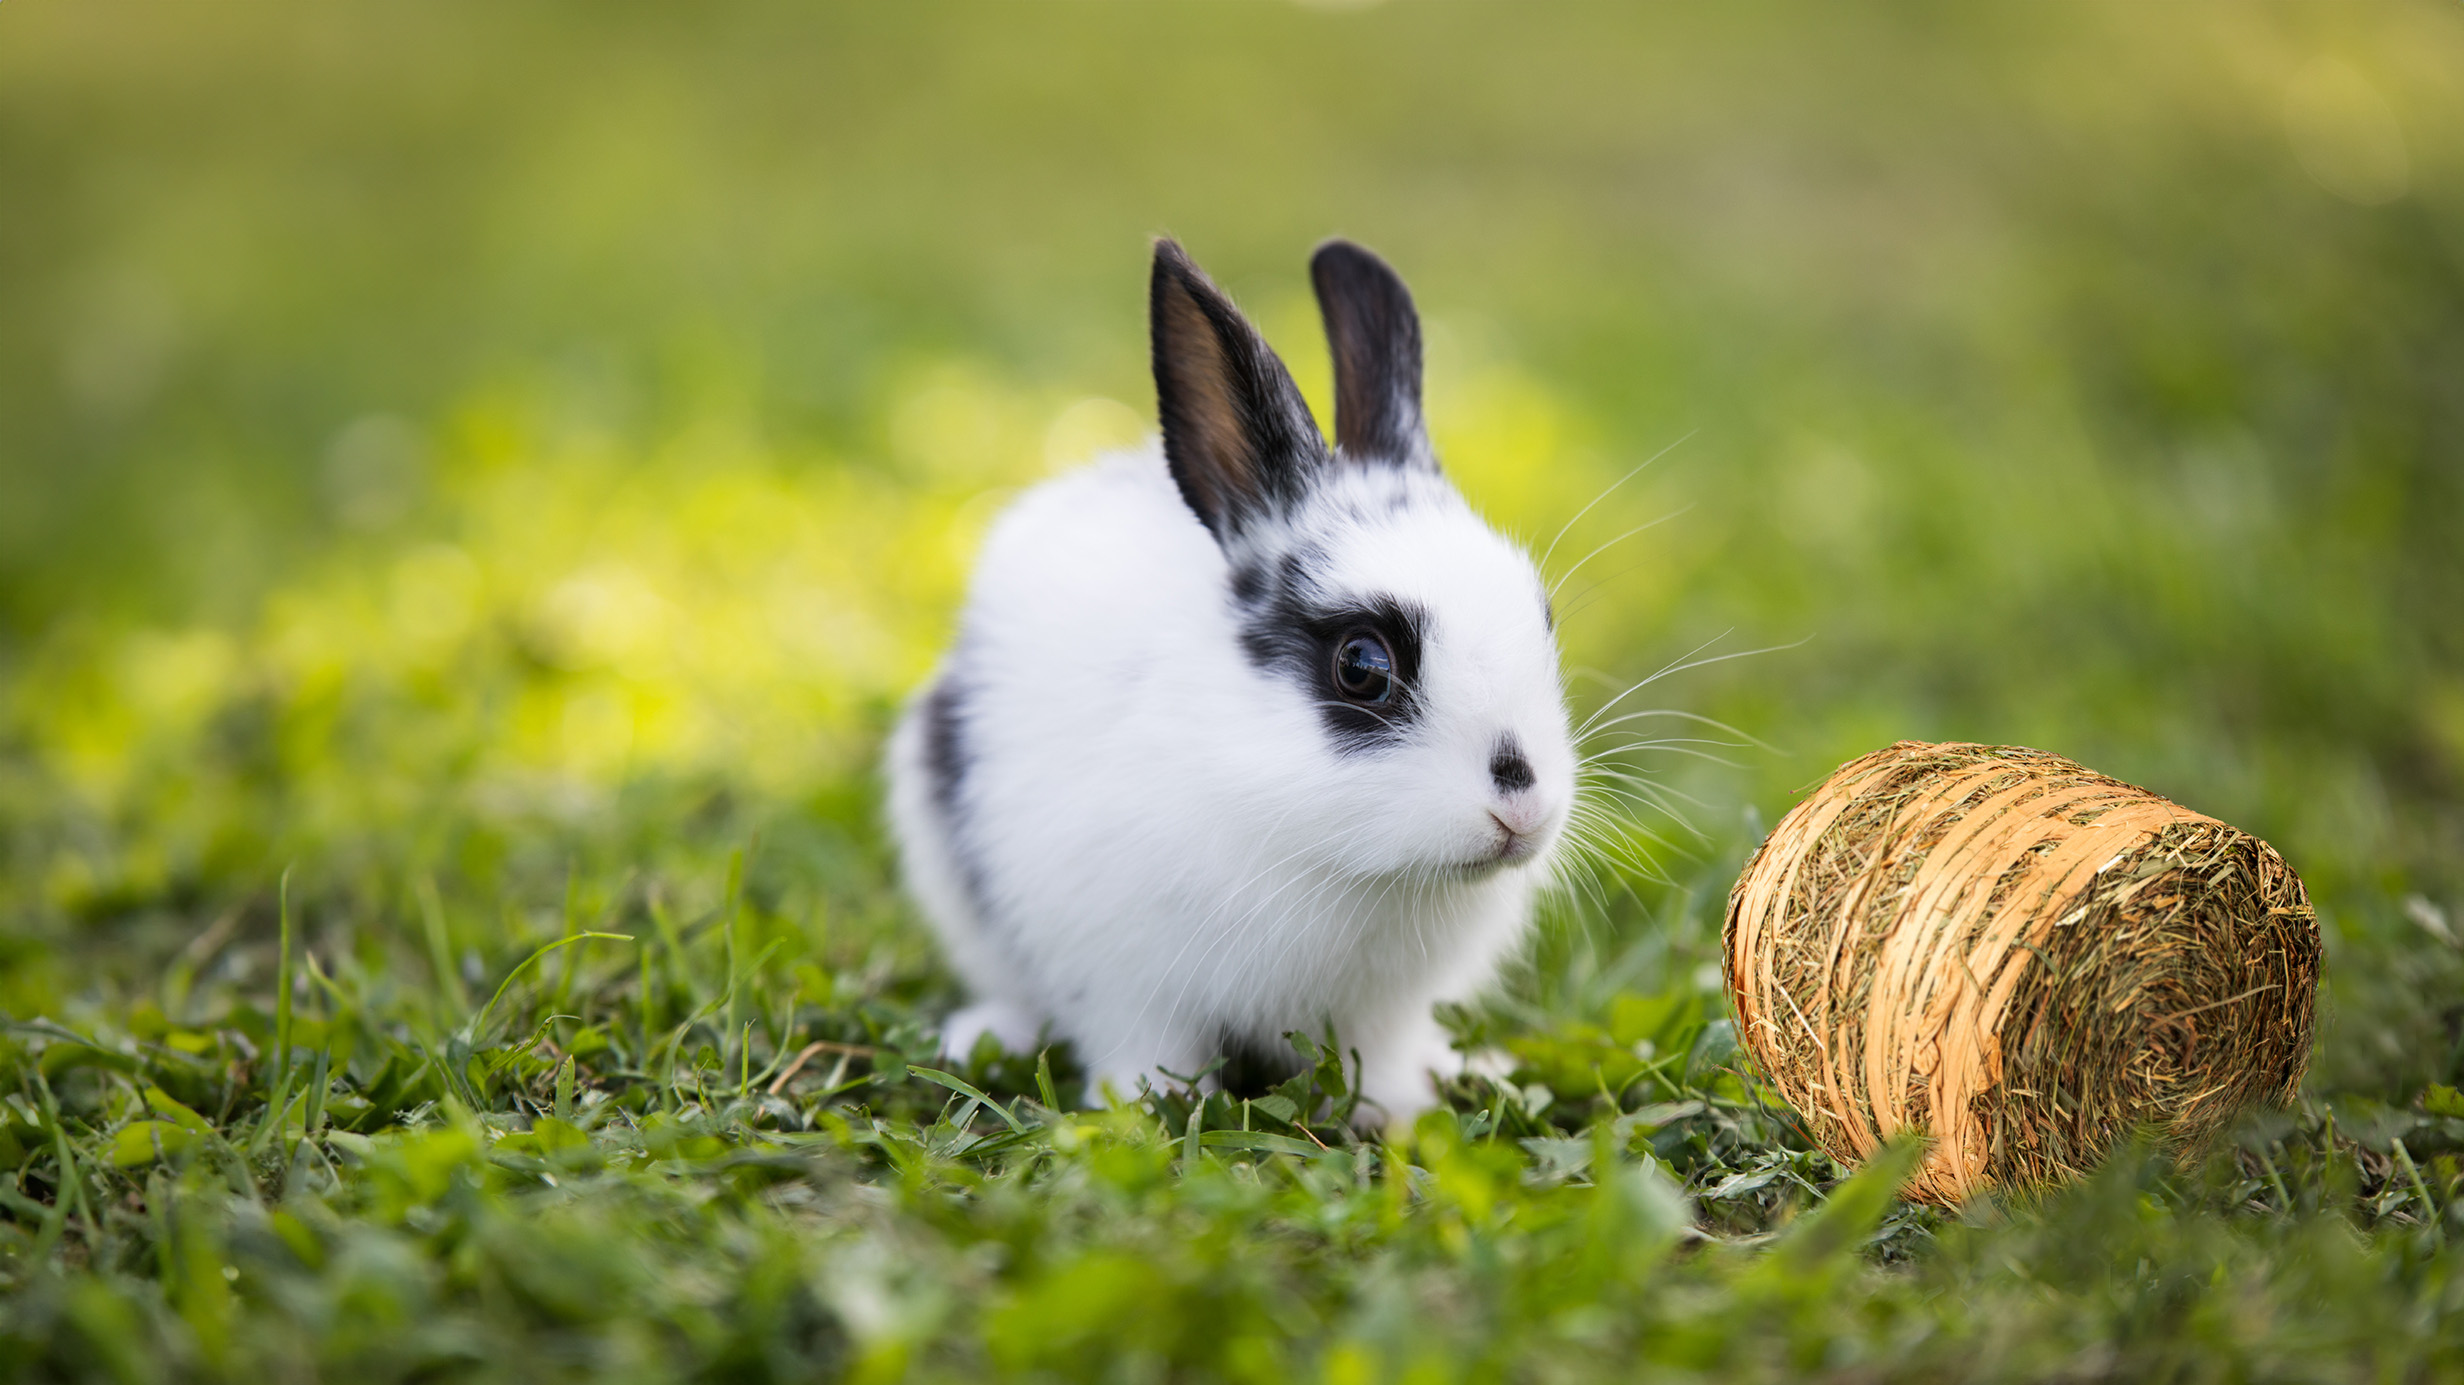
1508 770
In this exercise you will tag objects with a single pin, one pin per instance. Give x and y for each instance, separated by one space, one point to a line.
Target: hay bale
2020 957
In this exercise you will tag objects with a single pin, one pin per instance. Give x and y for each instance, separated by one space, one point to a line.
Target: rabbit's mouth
1513 849
1509 847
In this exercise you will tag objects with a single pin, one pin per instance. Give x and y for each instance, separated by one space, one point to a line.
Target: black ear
1374 335
1238 436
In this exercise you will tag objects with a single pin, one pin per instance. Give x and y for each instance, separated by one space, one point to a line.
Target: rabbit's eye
1364 668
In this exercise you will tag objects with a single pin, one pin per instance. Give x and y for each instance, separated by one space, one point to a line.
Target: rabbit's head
1414 644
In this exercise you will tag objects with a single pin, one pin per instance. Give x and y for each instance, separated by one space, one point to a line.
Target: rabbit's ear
1239 438
1374 336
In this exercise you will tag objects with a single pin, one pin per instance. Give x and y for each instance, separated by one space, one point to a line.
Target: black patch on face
1508 769
1253 1067
1292 629
1249 582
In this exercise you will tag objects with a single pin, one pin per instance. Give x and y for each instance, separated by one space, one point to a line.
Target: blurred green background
451 443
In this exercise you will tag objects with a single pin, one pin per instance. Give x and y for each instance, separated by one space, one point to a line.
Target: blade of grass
642 1009
271 1120
282 985
440 946
72 1179
967 1089
317 1083
2421 1193
730 914
479 1023
572 925
677 961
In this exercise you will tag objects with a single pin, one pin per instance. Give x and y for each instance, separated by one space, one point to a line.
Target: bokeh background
457 448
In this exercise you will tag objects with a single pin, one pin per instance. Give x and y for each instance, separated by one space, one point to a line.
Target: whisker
1596 849
1568 575
1642 793
1688 661
1697 717
1631 827
1664 671
1664 748
1582 600
1612 490
1638 795
1644 783
1656 743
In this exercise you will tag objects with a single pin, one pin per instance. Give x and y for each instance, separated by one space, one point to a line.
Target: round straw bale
2020 958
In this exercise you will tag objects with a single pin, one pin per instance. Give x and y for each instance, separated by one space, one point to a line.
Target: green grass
474 485
717 1146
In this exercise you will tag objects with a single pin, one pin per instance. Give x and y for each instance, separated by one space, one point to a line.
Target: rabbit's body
1139 822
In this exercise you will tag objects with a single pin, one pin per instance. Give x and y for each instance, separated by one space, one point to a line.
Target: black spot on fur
1292 628
1248 582
1508 769
945 742
945 765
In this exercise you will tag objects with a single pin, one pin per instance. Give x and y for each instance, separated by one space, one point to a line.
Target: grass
657 1146
474 485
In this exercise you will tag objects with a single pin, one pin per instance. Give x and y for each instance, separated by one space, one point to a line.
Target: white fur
1166 839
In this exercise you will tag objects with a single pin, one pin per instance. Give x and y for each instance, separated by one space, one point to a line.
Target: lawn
476 482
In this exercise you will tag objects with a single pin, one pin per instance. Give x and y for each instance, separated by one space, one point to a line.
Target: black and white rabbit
1250 736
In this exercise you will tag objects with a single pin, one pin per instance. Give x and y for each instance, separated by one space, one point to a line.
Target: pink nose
1522 814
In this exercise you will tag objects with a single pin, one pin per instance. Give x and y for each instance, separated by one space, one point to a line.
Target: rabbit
1245 734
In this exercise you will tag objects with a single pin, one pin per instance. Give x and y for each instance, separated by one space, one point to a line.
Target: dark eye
1364 668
